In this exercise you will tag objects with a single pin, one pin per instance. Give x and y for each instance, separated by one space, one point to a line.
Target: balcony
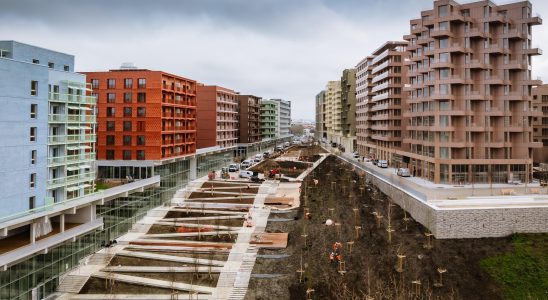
439 64
476 33
537 20
515 34
74 179
382 66
381 97
516 96
453 79
380 77
532 51
73 99
441 32
476 64
496 49
495 18
515 65
494 81
438 96
535 82
453 17
381 56
71 159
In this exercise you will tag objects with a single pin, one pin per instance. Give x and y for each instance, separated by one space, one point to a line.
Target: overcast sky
270 48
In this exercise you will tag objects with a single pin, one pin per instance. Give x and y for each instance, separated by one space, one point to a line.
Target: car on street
246 163
356 155
382 163
245 174
233 167
258 157
403 172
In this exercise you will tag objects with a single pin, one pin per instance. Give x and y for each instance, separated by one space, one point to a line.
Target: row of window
127 140
128 83
128 97
128 112
126 154
51 65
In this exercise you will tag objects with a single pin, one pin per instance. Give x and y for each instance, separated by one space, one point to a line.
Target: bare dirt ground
371 267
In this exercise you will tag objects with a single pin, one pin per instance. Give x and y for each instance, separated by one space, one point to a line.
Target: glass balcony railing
76 99
69 159
61 181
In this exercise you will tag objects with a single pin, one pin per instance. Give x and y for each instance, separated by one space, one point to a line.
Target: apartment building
47 129
217 116
321 131
348 110
363 106
540 123
144 115
249 119
381 100
283 117
470 105
269 119
333 111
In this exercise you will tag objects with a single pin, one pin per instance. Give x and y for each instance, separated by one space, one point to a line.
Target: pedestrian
414 172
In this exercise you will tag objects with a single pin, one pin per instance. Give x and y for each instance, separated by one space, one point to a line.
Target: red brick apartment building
217 113
249 119
143 114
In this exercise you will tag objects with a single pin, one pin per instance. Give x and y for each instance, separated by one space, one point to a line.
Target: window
444 89
444 73
111 83
33 110
110 154
111 111
141 126
142 83
444 57
127 97
33 134
51 65
443 10
95 83
443 25
32 182
127 111
33 157
141 111
110 140
33 88
141 97
111 98
140 140
66 68
127 125
32 202
127 140
35 61
127 154
444 43
128 83
111 125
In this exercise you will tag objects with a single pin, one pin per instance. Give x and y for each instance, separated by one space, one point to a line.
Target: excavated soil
371 267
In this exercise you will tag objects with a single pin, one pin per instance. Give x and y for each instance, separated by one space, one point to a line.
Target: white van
382 164
258 157
245 174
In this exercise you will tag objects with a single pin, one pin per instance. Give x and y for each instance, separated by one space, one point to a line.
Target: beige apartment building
540 124
333 111
470 104
381 78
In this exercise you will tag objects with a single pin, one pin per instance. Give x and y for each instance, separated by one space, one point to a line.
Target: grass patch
522 274
101 186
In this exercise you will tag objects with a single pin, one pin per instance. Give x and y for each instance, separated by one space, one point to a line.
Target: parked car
279 148
382 164
403 172
266 154
245 174
356 154
233 167
258 157
246 163
375 161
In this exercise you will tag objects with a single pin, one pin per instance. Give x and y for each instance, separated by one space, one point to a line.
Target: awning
72 168
85 127
73 188
86 185
73 128
85 147
85 166
73 148
79 107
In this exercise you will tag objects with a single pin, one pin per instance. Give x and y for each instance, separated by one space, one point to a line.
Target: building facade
382 78
364 104
470 104
540 124
269 119
321 131
283 117
217 117
333 111
144 115
47 128
348 110
249 119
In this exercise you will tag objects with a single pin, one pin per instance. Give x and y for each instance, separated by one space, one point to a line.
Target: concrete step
72 284
100 259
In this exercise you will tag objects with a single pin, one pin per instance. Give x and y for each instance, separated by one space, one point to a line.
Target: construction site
312 227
